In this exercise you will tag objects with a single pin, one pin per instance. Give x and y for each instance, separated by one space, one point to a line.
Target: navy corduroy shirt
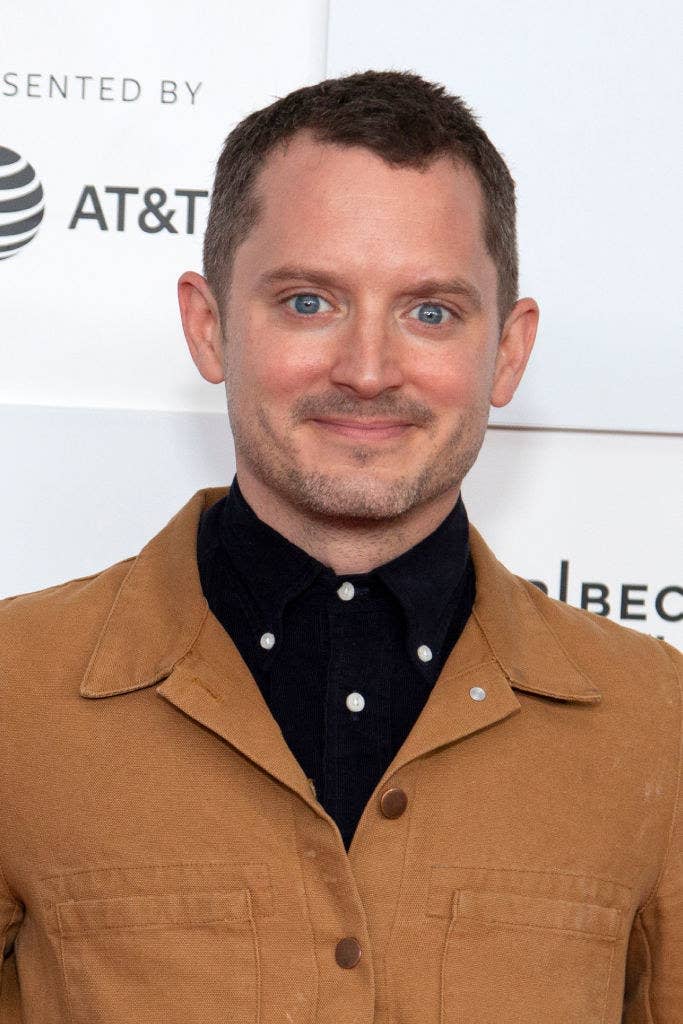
345 663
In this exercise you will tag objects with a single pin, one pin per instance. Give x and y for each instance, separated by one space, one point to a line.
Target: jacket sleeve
10 918
654 977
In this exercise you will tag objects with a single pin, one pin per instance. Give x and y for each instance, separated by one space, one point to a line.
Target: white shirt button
476 693
424 653
346 591
267 641
355 702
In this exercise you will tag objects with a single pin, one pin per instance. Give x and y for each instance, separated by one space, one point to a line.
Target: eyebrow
423 286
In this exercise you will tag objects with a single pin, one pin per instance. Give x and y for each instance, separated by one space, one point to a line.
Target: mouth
364 430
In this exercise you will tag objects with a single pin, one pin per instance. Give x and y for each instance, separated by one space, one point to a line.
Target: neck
347 546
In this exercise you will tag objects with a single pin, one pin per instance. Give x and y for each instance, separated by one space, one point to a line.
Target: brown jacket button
393 803
348 952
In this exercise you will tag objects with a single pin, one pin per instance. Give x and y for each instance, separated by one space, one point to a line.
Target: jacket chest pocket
524 956
162 957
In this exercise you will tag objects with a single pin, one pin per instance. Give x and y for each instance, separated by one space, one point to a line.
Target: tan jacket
164 859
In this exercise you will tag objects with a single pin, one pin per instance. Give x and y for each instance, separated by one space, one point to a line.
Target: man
315 755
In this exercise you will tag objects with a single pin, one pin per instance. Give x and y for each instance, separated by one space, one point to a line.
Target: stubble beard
356 494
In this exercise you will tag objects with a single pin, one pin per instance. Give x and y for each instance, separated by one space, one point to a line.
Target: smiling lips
365 430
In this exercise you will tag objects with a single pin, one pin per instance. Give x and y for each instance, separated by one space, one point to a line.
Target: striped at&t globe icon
21 203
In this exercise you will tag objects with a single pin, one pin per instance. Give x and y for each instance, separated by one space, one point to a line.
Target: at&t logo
21 203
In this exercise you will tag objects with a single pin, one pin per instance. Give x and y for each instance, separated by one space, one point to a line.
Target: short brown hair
406 120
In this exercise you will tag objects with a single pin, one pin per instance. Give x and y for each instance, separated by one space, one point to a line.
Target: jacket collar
160 610
512 616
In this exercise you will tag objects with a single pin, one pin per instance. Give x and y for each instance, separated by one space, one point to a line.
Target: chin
358 496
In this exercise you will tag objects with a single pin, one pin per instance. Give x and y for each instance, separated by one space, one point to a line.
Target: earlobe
201 325
514 348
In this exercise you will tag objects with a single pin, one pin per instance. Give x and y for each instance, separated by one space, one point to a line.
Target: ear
202 326
514 348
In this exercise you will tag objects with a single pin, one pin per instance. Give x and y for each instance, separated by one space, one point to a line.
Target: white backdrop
583 99
105 426
89 311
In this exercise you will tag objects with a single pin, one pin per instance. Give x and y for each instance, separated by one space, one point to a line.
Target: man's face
361 333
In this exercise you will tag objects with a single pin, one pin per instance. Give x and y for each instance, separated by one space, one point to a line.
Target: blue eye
308 304
431 313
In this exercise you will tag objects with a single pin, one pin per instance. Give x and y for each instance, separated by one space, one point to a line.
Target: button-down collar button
267 641
393 802
477 693
346 591
348 952
355 702
311 784
424 653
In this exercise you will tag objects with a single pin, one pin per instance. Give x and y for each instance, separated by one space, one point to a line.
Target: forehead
338 203
304 167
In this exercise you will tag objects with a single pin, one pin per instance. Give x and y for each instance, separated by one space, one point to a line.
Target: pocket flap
153 911
537 912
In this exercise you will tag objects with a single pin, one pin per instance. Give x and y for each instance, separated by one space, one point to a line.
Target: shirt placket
357 706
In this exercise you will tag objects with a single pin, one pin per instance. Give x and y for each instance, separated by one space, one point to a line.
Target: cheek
274 364
280 377
451 385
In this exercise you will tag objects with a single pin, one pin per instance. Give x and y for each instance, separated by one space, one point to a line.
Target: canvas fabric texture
163 859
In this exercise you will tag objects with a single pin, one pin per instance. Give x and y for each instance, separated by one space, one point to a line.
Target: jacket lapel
160 630
213 686
506 646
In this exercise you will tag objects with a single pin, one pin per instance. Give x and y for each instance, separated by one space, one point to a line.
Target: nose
367 358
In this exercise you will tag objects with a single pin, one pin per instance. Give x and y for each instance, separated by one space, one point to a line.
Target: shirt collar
271 568
427 580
